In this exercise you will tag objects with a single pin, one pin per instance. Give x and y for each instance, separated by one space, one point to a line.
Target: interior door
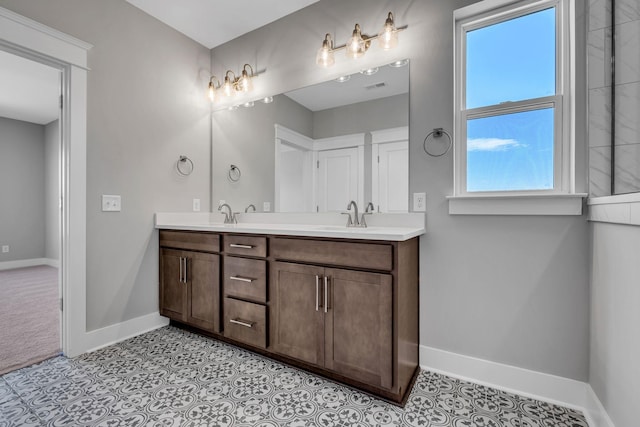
392 177
338 179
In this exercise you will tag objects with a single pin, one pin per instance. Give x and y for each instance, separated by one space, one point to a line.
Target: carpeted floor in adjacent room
29 316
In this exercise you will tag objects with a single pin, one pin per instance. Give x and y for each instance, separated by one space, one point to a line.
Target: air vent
376 86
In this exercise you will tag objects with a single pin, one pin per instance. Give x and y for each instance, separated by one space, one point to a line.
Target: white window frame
489 12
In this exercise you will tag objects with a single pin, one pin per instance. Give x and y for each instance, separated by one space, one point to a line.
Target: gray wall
146 107
513 290
383 113
22 189
615 320
246 138
52 190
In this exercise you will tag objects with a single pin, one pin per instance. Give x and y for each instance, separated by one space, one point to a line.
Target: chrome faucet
368 211
252 206
229 217
355 220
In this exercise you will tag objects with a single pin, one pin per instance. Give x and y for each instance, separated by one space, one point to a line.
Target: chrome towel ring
437 133
184 166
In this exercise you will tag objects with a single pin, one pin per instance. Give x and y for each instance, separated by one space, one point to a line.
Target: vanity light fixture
231 83
359 43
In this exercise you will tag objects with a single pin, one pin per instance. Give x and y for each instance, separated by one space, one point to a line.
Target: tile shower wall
627 108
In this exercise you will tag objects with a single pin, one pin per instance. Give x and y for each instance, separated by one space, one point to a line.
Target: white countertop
380 226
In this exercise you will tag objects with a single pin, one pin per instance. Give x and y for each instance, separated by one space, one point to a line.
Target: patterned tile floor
170 377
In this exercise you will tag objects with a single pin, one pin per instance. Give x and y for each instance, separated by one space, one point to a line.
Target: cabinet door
359 326
173 292
296 313
203 290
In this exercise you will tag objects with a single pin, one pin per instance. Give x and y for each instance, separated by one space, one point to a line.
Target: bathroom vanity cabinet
343 308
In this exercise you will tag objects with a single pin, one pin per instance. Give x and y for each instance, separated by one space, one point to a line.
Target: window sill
548 204
621 209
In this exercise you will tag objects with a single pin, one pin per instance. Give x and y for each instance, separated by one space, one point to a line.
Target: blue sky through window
512 61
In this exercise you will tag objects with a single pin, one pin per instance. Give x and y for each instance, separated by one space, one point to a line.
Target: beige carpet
29 316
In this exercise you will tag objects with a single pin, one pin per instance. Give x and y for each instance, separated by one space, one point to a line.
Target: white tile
599 171
628 113
627 57
627 170
595 58
599 117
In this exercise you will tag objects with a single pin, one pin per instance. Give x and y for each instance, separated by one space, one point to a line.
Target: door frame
27 38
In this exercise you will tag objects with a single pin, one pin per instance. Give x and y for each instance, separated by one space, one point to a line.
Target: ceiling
212 23
29 90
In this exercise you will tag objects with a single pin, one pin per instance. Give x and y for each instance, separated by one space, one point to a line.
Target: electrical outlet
266 206
419 202
5 249
111 203
196 205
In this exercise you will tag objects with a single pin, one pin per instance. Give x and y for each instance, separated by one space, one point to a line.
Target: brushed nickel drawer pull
326 294
317 297
241 323
181 271
186 270
237 245
241 279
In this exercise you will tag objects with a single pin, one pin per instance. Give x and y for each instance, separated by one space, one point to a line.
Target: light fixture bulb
324 57
227 87
244 82
212 92
369 71
356 46
388 37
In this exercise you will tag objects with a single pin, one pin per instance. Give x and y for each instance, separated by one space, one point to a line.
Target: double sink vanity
304 289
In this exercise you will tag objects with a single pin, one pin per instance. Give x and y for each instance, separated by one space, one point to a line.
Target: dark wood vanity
342 308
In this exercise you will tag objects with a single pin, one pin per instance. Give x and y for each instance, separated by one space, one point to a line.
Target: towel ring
437 133
234 173
184 166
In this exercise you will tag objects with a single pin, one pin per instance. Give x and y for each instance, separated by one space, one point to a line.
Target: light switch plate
5 249
111 203
196 205
419 202
266 206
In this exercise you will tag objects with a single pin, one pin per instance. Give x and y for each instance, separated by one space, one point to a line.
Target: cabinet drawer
245 245
245 322
348 254
197 241
245 278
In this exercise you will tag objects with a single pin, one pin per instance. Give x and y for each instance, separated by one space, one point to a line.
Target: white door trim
25 37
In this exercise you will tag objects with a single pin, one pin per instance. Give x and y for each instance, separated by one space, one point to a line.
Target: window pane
511 152
512 60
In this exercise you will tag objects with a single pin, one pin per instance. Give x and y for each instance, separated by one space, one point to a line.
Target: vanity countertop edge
327 225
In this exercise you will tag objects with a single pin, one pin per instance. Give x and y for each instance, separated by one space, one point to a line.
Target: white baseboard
52 262
103 337
537 385
22 263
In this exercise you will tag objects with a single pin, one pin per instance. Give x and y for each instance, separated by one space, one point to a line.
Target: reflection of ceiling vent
376 86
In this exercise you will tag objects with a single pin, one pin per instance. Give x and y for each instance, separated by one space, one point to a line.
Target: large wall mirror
316 148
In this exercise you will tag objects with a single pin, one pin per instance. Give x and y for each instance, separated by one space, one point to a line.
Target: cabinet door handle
237 245
317 290
326 294
186 269
241 323
181 271
241 279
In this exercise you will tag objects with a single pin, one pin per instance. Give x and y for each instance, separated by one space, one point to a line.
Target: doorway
30 222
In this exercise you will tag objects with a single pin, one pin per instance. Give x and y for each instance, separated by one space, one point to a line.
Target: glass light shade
324 57
356 46
227 87
244 83
388 37
212 92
